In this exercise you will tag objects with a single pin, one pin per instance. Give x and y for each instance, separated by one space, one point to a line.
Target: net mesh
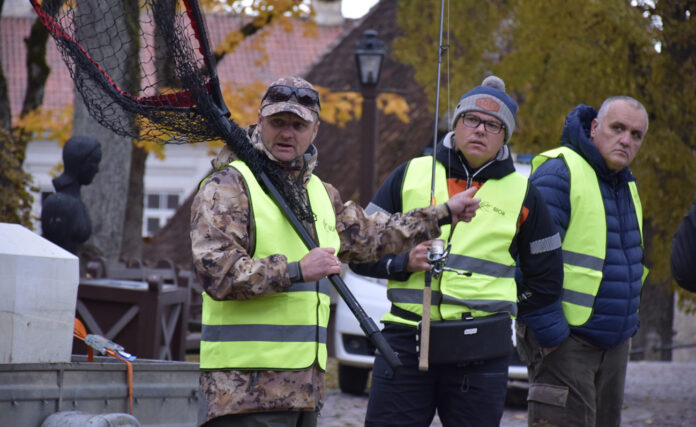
144 70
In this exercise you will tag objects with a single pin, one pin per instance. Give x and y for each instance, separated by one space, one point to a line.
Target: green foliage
473 43
554 55
565 53
15 198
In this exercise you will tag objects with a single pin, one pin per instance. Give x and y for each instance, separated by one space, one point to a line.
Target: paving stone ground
658 394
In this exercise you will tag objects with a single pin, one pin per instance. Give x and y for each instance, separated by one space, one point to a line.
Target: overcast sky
356 8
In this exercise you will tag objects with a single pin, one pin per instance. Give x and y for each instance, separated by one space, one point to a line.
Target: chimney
328 12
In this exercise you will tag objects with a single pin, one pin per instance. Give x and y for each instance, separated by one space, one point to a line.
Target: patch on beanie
488 104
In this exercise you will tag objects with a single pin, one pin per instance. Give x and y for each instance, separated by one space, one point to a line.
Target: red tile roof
288 52
59 88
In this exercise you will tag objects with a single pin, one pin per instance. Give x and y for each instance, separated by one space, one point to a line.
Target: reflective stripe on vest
490 287
585 242
286 330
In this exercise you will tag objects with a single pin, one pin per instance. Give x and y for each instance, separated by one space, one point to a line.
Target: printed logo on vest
487 207
488 104
327 226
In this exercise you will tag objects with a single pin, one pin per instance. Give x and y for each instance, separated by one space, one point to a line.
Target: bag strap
404 314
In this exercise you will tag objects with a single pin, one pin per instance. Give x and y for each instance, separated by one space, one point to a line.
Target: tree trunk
653 340
133 227
5 111
37 68
106 198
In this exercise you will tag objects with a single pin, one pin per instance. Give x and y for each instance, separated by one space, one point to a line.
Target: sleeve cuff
295 272
447 219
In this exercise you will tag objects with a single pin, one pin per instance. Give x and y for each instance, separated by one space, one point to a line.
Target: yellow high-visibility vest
286 330
585 242
481 248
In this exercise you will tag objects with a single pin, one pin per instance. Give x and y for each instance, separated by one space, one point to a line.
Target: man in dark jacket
511 224
593 199
683 257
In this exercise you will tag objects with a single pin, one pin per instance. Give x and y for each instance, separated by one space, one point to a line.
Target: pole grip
425 326
368 325
385 349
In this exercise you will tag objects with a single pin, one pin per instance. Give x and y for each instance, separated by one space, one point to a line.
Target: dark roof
339 148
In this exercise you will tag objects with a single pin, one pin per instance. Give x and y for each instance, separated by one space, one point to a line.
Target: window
152 224
172 201
159 207
153 201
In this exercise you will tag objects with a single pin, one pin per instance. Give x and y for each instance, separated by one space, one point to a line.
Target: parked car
355 352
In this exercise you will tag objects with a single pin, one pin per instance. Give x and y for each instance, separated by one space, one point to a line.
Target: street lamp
369 57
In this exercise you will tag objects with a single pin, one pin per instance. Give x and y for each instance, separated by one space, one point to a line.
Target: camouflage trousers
577 384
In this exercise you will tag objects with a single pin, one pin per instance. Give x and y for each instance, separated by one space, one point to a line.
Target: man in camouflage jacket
223 236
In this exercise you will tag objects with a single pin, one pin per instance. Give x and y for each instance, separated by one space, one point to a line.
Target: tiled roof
288 52
59 88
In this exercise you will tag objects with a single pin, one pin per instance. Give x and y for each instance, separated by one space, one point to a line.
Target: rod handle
425 330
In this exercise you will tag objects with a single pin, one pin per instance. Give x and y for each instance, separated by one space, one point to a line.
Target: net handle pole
366 323
196 17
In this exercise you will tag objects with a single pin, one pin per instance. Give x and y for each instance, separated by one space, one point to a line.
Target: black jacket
683 257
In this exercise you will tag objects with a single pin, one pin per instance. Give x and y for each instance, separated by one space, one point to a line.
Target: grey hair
632 101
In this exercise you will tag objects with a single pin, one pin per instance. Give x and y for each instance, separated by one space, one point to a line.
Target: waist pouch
469 340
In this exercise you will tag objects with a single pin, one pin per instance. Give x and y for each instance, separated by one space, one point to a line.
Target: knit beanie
489 98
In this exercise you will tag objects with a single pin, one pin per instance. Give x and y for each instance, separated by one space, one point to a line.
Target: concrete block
38 284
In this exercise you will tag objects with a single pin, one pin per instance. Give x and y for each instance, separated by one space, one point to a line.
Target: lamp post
369 56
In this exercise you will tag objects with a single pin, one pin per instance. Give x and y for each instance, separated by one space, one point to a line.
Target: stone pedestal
38 284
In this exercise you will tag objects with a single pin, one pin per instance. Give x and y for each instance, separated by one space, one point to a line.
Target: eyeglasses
472 121
282 93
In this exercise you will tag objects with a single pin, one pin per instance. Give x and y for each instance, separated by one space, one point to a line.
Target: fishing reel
437 258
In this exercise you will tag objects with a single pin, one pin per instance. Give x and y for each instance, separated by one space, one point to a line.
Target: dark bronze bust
64 218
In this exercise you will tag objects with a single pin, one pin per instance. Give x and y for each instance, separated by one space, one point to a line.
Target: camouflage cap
307 113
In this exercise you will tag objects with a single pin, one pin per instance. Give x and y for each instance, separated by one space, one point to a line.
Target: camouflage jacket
222 237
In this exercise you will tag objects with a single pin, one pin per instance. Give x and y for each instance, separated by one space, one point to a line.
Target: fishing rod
424 352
